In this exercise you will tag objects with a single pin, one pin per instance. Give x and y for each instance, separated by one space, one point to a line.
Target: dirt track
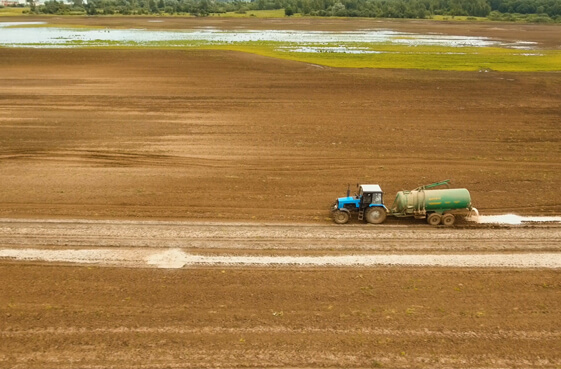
276 238
229 137
180 244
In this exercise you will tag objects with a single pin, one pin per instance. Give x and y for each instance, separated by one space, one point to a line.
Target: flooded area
41 35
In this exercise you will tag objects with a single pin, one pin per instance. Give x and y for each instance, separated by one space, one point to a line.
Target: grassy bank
421 57
384 56
11 12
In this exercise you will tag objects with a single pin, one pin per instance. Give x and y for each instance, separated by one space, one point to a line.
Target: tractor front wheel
340 217
434 219
376 215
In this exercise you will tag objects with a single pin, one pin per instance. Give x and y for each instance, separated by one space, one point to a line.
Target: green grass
392 56
420 57
8 11
458 18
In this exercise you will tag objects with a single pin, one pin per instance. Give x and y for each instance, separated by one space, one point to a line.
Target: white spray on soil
176 258
170 259
82 256
511 219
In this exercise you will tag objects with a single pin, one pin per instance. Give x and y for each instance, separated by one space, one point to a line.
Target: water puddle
34 34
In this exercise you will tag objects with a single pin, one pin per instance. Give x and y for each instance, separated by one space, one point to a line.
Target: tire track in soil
498 335
160 233
172 245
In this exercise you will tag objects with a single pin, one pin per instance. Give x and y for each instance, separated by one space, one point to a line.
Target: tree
32 5
338 9
493 9
152 6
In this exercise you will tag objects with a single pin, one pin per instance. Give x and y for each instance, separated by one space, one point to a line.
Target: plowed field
68 317
226 136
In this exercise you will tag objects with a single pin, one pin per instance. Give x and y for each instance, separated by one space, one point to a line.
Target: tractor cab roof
371 188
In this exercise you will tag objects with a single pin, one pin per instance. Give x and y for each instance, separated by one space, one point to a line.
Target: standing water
40 34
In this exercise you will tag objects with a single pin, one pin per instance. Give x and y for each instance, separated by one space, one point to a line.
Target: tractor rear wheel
340 217
448 220
434 219
376 215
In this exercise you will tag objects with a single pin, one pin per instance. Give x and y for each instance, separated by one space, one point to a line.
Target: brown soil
223 135
226 135
91 317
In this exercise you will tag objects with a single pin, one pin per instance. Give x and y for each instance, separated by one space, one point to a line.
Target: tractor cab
370 195
368 202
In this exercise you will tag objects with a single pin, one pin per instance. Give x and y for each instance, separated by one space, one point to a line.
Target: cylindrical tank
410 202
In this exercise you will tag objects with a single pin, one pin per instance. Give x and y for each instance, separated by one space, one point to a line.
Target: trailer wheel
376 215
434 219
448 220
340 217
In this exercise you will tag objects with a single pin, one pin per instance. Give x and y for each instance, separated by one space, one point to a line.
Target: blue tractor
367 203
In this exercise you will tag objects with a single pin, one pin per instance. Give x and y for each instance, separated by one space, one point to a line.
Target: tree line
506 10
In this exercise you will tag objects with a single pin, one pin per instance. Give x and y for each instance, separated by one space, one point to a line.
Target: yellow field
7 12
457 18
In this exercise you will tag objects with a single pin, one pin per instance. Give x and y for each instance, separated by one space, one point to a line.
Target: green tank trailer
437 206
